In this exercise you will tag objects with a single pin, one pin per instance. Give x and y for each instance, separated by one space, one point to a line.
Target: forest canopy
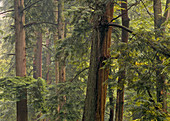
84 60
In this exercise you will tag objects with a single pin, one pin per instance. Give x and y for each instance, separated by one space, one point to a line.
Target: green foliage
12 88
8 110
69 98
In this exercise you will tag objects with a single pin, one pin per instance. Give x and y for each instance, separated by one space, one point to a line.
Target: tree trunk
159 32
121 80
111 100
96 89
48 61
61 61
22 112
38 57
61 36
37 64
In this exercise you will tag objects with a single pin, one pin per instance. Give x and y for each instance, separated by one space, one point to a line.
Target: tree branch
166 15
119 26
30 5
78 74
127 10
36 23
146 8
166 53
6 11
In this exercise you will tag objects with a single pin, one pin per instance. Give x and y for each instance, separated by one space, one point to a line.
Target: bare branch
119 26
30 5
78 74
134 4
6 11
8 53
166 15
146 8
36 23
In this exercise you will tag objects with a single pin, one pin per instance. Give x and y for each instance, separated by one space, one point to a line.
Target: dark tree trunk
111 101
96 89
121 80
22 113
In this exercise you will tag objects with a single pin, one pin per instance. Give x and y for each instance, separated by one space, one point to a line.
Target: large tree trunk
121 80
96 89
22 113
159 32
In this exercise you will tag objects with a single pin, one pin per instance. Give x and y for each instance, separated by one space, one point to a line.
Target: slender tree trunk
61 62
56 71
96 89
121 80
38 57
48 61
37 64
159 31
61 36
22 112
111 100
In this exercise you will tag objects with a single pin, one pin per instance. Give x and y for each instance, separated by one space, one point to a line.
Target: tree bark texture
121 79
96 87
22 112
38 57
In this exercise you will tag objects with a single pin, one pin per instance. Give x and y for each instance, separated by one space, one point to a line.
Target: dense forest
84 60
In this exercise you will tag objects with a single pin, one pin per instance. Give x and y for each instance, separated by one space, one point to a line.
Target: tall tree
48 61
122 77
159 31
96 89
38 57
22 113
61 36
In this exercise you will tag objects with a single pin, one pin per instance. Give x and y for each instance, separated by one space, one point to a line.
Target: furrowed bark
96 86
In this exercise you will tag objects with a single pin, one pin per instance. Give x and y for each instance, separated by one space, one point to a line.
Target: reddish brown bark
22 113
96 89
